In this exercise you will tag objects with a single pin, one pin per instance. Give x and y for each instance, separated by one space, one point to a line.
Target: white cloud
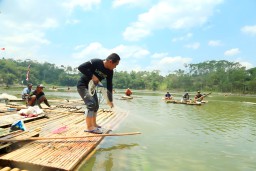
93 50
244 63
78 47
131 51
25 39
195 45
247 65
132 58
129 66
172 60
118 3
169 64
159 55
48 23
185 37
72 21
250 30
23 44
84 4
135 33
24 25
183 14
165 64
214 43
42 29
232 52
96 49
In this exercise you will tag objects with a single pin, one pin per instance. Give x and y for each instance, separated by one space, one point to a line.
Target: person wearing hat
93 71
38 96
25 94
199 97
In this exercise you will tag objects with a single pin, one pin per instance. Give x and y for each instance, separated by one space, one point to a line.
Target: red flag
28 72
2 48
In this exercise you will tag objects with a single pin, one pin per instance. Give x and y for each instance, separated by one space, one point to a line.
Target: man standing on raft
96 70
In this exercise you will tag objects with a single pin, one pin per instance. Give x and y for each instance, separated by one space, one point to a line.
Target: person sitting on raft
128 92
168 96
198 97
185 97
38 96
25 95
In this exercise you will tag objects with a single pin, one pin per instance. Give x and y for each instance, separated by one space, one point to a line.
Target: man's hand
95 79
111 104
51 107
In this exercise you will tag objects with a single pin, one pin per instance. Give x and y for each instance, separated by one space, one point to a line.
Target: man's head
112 61
198 92
30 85
40 86
113 57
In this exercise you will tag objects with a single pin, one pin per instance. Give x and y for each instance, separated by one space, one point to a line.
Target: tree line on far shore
218 76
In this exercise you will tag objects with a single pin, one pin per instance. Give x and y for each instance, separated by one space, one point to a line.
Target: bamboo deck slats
62 154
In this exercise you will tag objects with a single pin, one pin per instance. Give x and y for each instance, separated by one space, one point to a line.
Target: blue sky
147 34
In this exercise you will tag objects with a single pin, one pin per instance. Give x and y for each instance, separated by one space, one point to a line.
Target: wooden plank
63 151
56 138
18 134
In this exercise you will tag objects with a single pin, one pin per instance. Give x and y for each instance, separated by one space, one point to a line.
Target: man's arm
86 68
46 102
110 88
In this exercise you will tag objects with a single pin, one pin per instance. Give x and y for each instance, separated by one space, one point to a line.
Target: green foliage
14 72
222 76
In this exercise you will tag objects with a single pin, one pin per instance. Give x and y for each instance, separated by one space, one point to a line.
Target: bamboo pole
55 138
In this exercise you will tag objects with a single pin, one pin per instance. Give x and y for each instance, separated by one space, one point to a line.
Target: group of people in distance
34 97
185 98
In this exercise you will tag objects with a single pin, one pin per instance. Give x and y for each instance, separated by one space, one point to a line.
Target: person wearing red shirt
128 92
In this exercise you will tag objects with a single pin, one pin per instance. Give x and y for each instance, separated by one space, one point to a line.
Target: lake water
219 135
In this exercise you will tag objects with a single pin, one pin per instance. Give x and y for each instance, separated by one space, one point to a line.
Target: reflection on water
107 161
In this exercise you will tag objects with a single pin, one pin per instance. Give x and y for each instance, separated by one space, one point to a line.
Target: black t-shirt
186 96
199 95
167 95
95 67
38 95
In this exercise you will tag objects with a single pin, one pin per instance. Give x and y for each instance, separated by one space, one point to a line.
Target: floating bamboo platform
125 97
57 152
169 101
186 103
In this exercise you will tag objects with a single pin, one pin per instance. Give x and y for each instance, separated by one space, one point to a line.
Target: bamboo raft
169 101
59 151
126 97
186 103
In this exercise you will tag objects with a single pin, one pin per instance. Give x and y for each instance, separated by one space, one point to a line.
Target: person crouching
38 96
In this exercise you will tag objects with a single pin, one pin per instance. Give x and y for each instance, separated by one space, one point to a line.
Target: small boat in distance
126 97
